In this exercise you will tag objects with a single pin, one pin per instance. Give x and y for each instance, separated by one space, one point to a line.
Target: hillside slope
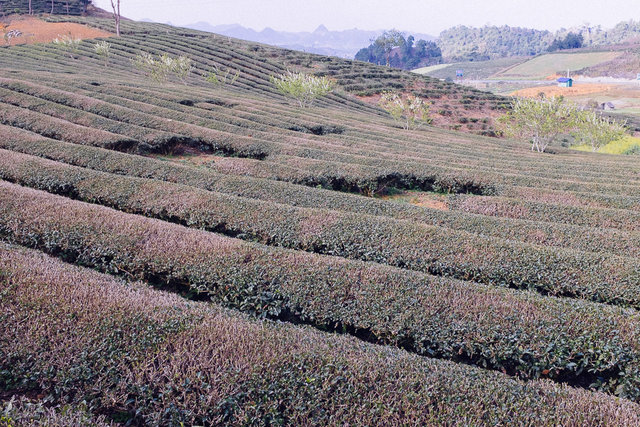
508 294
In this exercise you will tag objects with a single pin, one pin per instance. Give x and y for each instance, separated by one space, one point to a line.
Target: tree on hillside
539 120
412 55
597 130
410 110
115 5
304 88
388 41
30 8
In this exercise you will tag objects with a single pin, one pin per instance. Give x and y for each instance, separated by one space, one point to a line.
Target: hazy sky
425 16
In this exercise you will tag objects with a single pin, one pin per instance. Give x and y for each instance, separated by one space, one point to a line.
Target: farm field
185 253
553 64
476 70
598 77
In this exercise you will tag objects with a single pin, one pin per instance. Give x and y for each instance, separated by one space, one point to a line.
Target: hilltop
198 251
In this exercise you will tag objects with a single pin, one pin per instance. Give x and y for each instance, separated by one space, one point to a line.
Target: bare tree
52 7
409 110
115 4
30 8
67 4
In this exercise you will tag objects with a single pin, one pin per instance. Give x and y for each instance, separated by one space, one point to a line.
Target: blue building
565 82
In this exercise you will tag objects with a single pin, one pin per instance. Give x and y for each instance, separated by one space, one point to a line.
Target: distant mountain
344 44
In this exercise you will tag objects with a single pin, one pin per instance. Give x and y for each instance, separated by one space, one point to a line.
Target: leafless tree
115 4
30 8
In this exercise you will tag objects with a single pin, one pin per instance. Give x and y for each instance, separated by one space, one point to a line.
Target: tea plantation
207 252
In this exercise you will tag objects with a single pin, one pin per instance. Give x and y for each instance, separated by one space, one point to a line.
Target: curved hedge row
585 199
147 357
361 158
435 151
262 68
539 233
586 344
60 129
549 212
158 139
600 277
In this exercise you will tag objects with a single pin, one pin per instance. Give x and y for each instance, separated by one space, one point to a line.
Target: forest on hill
462 43
394 49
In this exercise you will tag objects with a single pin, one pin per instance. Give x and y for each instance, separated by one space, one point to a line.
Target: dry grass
422 199
36 30
579 89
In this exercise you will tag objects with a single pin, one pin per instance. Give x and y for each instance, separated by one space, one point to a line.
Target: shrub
220 77
103 49
161 67
68 43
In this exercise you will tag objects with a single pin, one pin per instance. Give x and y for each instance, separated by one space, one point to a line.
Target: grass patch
627 145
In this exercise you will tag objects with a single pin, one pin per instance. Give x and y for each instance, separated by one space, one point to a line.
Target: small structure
607 106
565 82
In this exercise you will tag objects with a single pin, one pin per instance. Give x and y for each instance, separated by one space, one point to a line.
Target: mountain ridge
342 43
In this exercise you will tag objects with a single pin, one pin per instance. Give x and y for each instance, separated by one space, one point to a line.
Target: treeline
394 49
59 7
464 43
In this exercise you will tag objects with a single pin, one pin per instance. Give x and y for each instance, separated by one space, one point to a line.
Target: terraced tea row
581 238
547 212
170 105
565 169
413 246
529 267
580 342
234 370
327 166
